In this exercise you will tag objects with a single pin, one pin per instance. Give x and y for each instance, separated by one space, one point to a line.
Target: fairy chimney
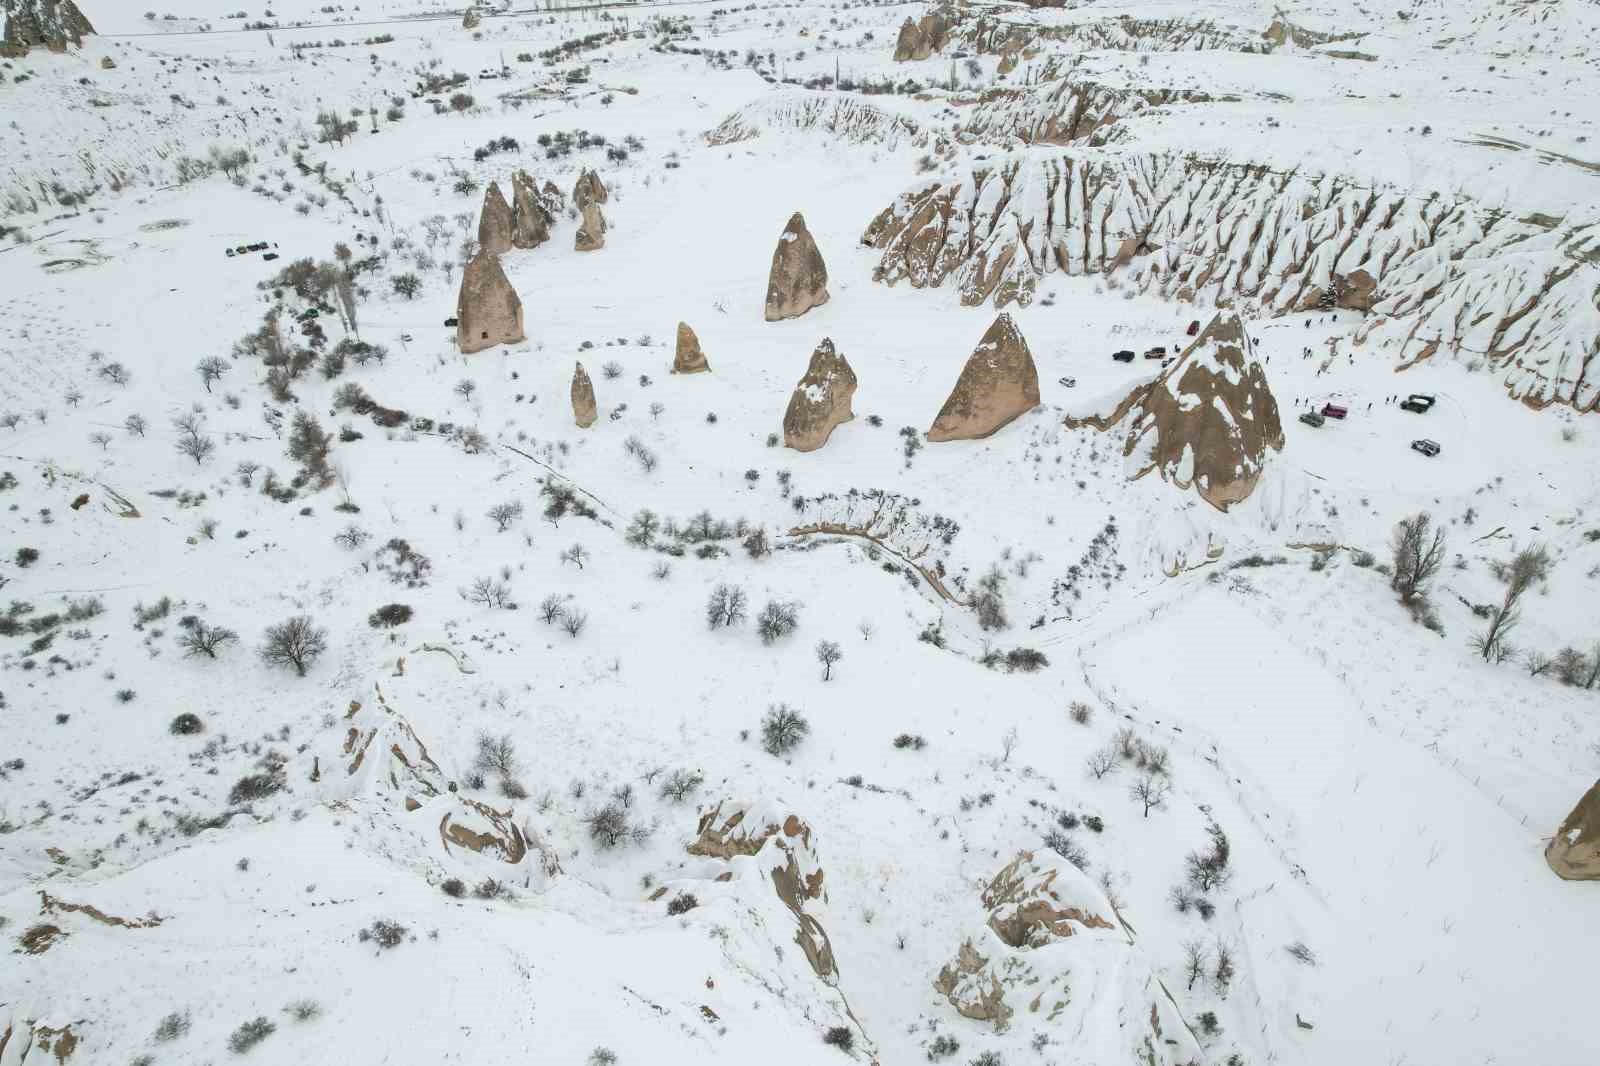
589 189
688 359
998 383
912 44
530 219
592 231
1574 852
488 311
494 224
798 280
821 401
583 411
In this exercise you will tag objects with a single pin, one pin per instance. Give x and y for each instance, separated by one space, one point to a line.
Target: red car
1333 410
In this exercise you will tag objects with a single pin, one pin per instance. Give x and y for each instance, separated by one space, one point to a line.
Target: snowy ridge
848 118
1437 274
1068 110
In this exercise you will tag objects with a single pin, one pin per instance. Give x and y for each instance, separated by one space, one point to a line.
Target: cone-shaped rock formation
998 383
583 409
799 278
592 231
688 359
530 218
488 310
494 223
1574 852
821 401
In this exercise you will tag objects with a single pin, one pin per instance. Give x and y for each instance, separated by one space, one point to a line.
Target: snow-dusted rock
488 309
591 236
50 24
687 358
494 222
583 408
589 189
843 116
798 280
821 401
998 383
1208 422
1574 852
531 218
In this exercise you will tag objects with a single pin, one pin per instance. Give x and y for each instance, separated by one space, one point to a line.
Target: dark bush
454 888
384 933
250 1034
682 903
389 615
253 787
841 1037
186 725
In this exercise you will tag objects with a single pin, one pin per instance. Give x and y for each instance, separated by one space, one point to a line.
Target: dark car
270 255
1311 418
1333 410
1194 327
1426 447
1417 403
1123 356
452 322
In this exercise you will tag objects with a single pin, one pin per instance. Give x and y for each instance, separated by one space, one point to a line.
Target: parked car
1333 410
1426 447
1417 403
1159 352
230 253
1194 327
452 322
405 338
1311 418
270 255
1123 356
1066 383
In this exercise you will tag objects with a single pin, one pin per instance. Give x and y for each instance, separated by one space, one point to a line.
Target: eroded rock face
973 989
530 217
821 401
1032 903
912 44
488 310
480 828
592 231
998 383
382 753
583 409
1207 422
1574 852
494 223
589 189
471 20
48 24
798 280
688 358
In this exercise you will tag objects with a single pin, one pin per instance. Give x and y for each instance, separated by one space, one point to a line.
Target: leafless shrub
489 592
298 642
726 606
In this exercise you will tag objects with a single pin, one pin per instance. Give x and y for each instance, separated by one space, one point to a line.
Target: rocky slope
1063 112
49 24
1437 275
847 118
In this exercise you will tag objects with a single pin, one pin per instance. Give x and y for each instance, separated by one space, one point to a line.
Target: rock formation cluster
998 383
798 280
821 401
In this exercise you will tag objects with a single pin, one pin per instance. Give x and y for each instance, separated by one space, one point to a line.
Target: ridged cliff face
847 118
50 24
1437 275
1063 112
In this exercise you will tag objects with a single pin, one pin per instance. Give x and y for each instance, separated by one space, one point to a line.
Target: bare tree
1150 790
116 373
1008 744
551 608
1529 565
1103 762
680 784
608 826
783 729
100 437
573 621
828 653
1195 958
496 755
198 448
135 424
1417 555
465 388
777 619
211 369
489 592
505 515
575 555
1537 663
298 642
201 639
726 606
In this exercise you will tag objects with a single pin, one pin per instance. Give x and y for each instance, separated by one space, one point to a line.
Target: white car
1066 383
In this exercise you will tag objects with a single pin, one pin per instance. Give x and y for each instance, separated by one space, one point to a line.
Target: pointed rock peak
821 401
494 224
589 189
591 235
583 408
998 383
488 310
798 280
688 358
1574 852
531 217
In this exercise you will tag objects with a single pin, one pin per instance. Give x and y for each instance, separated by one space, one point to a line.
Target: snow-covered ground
1386 793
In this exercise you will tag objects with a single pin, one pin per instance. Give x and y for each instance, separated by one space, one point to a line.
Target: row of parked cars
246 249
1416 403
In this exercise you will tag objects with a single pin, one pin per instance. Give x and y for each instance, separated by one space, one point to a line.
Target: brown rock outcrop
821 401
589 189
479 827
912 44
1208 421
688 358
798 280
998 383
592 230
48 24
1030 903
530 218
973 989
471 20
494 222
583 409
488 310
1574 852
